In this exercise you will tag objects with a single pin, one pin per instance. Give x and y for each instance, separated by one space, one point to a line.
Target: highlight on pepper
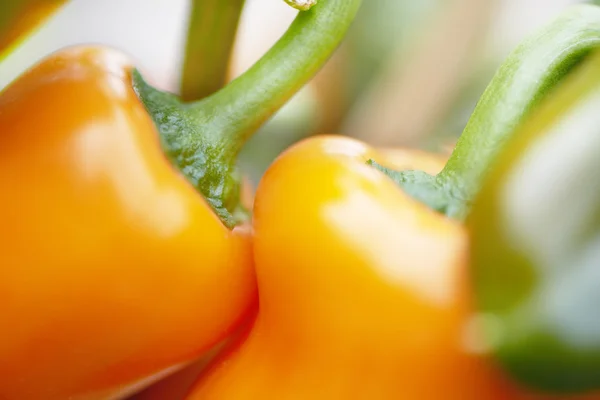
229 200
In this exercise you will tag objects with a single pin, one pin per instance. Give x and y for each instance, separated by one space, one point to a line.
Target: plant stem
532 71
204 138
211 35
240 108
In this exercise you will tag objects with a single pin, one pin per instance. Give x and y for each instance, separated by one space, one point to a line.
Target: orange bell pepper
178 385
124 258
363 290
113 267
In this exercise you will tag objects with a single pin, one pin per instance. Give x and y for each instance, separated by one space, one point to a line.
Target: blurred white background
152 31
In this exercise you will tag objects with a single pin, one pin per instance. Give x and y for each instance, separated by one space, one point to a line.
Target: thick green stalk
204 138
211 35
528 75
245 104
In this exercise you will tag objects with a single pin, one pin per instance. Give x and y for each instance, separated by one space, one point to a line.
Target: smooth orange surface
363 291
112 267
178 385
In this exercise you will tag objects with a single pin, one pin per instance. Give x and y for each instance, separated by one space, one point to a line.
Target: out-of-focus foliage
18 17
293 123
388 43
382 29
386 40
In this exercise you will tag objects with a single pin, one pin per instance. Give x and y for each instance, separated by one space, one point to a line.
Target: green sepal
528 76
209 164
428 189
204 138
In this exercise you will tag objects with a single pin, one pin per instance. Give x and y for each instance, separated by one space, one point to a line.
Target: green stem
211 35
533 70
204 138
238 110
529 74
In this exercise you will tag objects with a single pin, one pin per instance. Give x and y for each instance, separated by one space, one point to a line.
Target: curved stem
240 108
211 35
203 139
535 68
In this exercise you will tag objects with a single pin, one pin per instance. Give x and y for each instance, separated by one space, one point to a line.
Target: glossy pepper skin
363 291
113 267
176 386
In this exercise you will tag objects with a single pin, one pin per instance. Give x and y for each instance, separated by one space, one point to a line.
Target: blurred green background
408 74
